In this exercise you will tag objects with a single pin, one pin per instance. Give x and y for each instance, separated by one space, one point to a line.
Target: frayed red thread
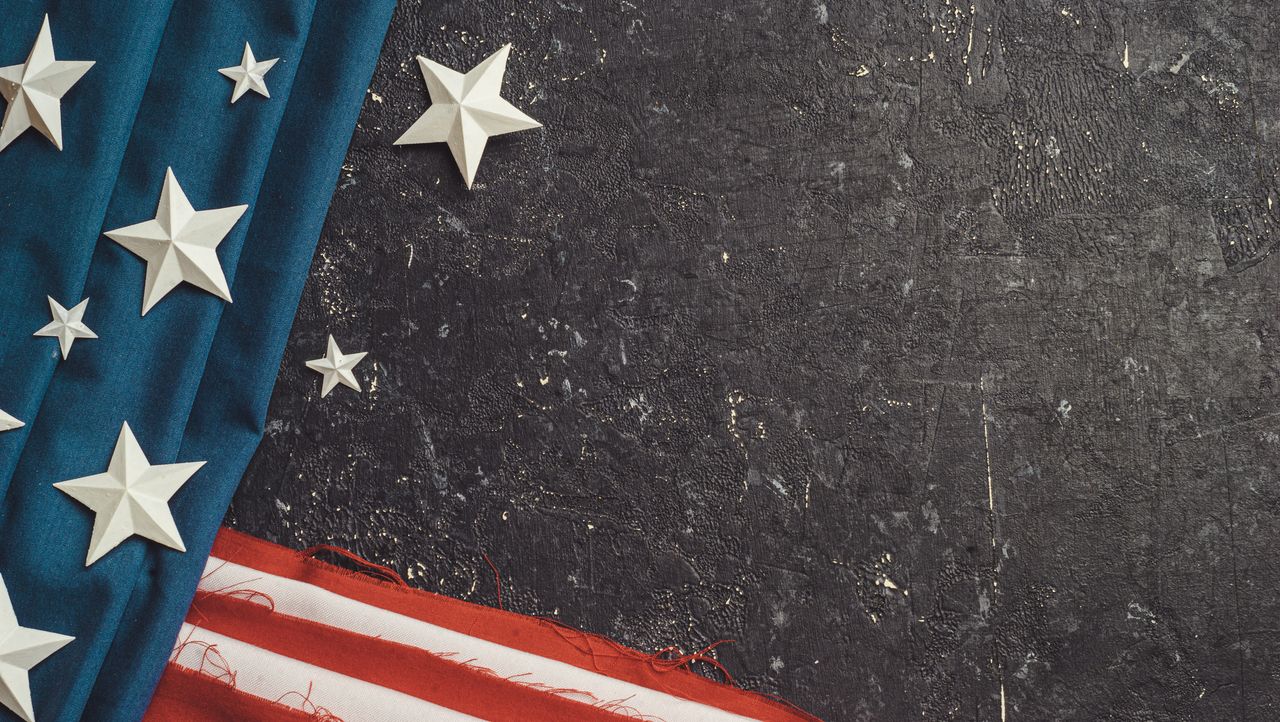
213 571
568 692
248 595
497 579
210 659
664 663
618 706
370 568
622 709
235 589
306 706
196 615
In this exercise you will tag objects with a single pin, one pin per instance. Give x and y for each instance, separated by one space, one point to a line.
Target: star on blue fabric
34 90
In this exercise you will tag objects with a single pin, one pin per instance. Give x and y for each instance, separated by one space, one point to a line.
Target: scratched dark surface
928 351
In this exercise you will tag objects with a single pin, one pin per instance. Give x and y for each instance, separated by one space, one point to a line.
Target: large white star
248 74
21 648
9 423
180 244
66 326
132 497
466 110
336 368
35 88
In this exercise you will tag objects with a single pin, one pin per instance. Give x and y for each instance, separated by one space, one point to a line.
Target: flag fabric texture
193 377
275 634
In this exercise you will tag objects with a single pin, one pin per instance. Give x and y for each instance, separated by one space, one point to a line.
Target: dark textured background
930 351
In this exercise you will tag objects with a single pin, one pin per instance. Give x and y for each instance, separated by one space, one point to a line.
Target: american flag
272 634
275 634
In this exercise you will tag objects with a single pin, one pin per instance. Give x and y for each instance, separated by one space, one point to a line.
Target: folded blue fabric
193 377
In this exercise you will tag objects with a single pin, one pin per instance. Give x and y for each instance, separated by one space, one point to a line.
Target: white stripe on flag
308 601
267 675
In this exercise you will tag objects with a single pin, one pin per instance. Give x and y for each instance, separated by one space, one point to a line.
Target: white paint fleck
641 406
986 441
968 73
984 602
932 519
778 486
820 11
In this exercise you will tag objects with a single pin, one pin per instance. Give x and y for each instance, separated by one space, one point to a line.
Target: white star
248 74
132 497
8 423
21 648
35 88
466 110
336 367
180 244
66 326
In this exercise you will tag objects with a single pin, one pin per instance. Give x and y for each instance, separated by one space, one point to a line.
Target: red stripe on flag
186 696
528 634
426 675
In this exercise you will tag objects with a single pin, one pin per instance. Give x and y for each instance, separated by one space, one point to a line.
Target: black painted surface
929 351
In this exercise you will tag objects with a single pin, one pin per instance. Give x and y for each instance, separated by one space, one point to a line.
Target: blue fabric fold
193 377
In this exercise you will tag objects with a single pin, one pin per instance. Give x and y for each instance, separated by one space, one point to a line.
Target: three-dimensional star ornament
180 244
9 423
35 88
21 648
66 326
132 497
466 110
336 368
248 74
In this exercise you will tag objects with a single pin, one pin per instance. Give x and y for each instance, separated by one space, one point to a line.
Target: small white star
336 368
21 648
35 88
248 74
180 244
66 326
9 423
132 497
466 110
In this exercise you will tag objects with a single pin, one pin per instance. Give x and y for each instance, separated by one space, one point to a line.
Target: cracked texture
928 350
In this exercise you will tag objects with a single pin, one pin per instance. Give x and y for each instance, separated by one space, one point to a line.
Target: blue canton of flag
192 378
